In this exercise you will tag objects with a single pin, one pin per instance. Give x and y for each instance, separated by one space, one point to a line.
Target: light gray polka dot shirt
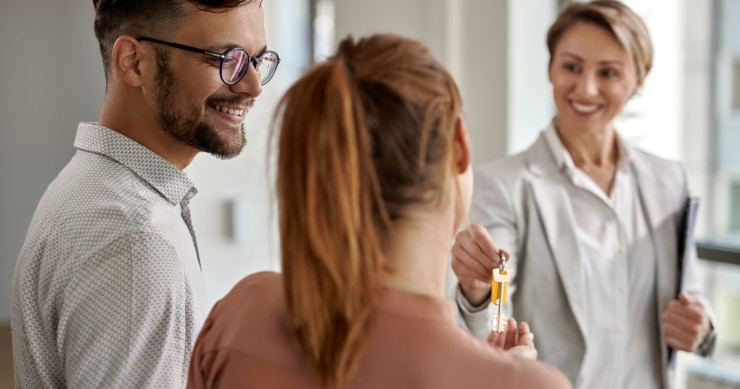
108 291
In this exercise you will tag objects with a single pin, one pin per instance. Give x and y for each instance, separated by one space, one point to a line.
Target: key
500 278
499 294
499 285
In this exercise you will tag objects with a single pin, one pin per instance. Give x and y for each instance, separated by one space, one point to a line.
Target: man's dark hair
157 18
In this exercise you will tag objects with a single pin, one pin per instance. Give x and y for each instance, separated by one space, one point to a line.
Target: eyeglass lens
236 63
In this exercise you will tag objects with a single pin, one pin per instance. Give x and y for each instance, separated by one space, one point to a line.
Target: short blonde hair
616 18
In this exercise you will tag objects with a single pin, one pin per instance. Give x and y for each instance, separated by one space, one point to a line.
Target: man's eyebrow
221 48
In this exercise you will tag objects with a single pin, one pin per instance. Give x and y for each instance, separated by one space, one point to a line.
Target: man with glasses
108 291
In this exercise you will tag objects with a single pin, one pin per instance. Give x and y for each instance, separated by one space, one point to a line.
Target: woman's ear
126 60
463 154
638 88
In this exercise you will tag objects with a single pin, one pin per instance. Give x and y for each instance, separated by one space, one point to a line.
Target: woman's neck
595 153
597 148
418 250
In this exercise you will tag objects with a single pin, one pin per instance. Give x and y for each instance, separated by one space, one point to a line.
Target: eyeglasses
234 62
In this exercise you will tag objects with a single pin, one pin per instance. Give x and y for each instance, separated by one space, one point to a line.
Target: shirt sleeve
475 319
122 321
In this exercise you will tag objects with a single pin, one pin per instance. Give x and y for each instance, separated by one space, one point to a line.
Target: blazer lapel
556 215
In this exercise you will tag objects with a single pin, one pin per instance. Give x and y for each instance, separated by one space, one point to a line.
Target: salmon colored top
414 342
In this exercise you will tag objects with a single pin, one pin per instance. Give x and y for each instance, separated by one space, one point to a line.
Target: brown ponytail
361 136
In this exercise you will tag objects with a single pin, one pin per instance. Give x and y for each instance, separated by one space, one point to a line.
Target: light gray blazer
522 201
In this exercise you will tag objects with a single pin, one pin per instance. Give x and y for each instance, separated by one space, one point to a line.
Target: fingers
525 336
687 299
683 318
527 340
683 315
511 334
467 265
496 339
685 323
474 254
678 338
524 328
525 343
480 236
506 339
518 341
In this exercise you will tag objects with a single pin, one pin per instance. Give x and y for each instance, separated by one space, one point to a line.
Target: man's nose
250 84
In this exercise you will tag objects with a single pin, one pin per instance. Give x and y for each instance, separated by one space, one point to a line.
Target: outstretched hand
516 340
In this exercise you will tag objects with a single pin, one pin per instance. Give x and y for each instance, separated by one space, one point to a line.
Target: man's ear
127 61
463 154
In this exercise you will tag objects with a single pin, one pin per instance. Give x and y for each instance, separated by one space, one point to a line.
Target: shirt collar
171 182
563 159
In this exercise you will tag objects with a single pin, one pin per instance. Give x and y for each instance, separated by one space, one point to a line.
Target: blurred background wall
51 78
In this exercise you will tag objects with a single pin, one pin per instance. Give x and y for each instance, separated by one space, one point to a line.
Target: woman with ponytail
373 181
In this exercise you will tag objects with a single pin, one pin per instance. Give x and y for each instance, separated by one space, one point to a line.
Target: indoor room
687 111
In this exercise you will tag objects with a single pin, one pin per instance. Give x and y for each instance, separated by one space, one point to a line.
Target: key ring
503 259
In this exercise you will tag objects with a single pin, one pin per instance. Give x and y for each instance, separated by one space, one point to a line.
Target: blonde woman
590 221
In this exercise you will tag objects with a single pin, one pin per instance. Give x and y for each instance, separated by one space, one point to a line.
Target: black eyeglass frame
255 61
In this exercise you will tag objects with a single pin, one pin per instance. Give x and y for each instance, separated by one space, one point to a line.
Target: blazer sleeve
493 208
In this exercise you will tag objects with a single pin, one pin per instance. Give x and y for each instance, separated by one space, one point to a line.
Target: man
108 291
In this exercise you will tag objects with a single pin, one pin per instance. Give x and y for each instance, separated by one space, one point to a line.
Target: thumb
684 298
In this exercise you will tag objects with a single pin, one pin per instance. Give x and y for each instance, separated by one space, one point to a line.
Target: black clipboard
686 228
686 241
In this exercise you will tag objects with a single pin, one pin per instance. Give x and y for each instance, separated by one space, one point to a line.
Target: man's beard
190 127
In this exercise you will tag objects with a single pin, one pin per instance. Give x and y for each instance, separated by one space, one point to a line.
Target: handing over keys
500 278
483 271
